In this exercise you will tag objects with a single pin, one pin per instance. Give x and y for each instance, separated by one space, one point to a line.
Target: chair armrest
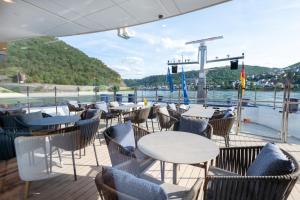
139 132
248 187
237 159
194 192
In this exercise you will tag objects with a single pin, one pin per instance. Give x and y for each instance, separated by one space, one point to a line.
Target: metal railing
279 101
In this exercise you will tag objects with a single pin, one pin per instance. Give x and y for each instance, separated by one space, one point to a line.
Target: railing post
28 103
55 99
156 94
78 89
179 95
275 93
239 110
255 95
135 95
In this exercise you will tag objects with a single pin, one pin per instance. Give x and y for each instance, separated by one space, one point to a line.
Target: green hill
50 60
222 76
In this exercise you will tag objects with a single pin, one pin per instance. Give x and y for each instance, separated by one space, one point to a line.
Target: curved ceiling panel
28 18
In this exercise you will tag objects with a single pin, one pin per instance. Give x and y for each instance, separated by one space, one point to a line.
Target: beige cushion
164 111
114 104
215 171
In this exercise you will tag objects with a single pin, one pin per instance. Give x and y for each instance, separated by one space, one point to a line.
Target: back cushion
228 113
123 134
90 113
164 111
132 186
31 116
114 104
74 103
172 106
191 125
102 106
270 162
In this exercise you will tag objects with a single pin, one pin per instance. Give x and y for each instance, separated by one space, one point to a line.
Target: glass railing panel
261 118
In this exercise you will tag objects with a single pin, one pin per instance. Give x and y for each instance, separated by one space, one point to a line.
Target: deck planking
64 187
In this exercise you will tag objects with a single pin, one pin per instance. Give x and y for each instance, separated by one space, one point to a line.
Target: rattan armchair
153 114
166 122
118 154
237 160
73 106
137 116
75 138
222 127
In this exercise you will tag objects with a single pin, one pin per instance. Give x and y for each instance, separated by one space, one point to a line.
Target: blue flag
170 80
184 88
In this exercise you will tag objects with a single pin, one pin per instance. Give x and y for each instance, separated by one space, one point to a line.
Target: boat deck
64 186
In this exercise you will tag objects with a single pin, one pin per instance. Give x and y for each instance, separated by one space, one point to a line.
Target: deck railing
274 115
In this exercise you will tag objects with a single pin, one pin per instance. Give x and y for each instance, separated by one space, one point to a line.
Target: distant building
21 78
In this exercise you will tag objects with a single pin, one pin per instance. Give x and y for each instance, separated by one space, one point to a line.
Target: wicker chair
237 160
110 188
153 114
166 122
118 154
222 127
138 116
74 107
76 138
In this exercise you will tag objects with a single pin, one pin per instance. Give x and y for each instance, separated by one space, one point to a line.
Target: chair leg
74 168
50 157
162 170
59 156
79 153
95 154
226 141
106 123
84 151
152 125
27 188
147 125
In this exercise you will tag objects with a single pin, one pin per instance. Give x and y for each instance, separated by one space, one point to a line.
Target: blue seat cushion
123 134
191 125
132 186
270 162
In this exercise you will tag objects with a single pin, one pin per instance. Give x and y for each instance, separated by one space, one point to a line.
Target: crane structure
202 60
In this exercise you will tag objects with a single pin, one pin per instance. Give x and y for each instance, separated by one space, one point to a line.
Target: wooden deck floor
64 186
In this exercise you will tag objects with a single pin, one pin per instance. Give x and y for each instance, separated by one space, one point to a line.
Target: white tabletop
199 112
178 147
55 120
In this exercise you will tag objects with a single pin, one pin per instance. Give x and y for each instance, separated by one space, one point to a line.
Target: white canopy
27 18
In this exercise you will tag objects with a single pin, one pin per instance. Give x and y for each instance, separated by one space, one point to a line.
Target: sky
267 31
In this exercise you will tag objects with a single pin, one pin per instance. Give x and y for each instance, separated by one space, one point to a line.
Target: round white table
178 148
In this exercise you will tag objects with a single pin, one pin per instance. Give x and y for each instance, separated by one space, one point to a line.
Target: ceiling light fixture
8 1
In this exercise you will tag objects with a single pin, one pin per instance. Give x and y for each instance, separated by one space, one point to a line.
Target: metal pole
78 89
179 95
28 103
201 94
156 94
275 97
239 110
55 99
287 113
255 95
135 95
